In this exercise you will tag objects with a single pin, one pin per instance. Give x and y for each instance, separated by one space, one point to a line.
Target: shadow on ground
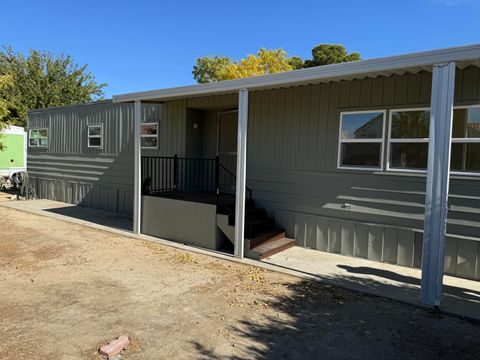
317 321
466 294
95 216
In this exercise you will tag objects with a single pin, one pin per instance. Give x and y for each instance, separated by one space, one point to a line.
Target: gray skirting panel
97 196
377 242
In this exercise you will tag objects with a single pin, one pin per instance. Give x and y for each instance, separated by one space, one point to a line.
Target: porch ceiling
396 65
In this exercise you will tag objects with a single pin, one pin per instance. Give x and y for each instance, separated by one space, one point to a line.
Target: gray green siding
68 171
292 169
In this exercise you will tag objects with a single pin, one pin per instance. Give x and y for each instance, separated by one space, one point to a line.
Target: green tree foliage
210 69
296 62
41 80
218 68
325 54
5 85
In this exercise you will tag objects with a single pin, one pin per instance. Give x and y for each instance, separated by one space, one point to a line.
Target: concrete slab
70 212
461 296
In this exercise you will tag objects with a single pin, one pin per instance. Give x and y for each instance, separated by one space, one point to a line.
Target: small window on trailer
149 135
95 136
38 137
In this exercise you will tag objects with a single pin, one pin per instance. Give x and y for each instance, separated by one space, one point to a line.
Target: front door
227 149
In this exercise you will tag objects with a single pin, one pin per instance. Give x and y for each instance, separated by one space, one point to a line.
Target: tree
5 84
210 69
325 54
41 80
265 62
218 68
296 62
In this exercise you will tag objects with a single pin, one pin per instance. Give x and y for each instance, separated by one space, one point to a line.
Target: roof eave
334 72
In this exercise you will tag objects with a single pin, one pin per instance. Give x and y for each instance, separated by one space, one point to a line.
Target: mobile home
334 158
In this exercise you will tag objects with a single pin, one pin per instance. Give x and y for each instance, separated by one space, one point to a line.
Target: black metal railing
158 174
233 179
165 174
162 174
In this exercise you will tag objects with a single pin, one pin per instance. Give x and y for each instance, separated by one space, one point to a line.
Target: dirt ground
65 289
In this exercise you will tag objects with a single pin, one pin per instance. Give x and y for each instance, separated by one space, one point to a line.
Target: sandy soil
66 289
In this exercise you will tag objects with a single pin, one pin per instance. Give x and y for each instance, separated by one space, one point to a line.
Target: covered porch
440 68
191 198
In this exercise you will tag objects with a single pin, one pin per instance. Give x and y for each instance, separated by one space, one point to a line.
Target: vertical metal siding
69 171
293 134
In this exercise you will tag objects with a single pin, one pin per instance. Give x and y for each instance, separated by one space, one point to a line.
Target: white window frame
38 137
465 141
423 140
95 136
403 141
380 140
148 135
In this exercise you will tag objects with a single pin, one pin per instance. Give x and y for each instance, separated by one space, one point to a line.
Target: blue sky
140 45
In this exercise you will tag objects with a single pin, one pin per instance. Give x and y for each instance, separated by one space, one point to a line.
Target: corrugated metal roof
71 106
395 65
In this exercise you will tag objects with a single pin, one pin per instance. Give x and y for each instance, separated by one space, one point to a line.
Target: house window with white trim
149 135
361 138
38 137
95 135
465 155
408 139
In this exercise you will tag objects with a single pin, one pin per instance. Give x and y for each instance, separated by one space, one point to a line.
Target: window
409 136
465 155
149 135
38 138
95 133
408 140
361 140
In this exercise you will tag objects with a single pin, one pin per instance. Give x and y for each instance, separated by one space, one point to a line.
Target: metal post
217 174
438 172
241 173
137 183
175 171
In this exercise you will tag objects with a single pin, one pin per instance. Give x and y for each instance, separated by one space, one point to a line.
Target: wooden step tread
274 234
273 247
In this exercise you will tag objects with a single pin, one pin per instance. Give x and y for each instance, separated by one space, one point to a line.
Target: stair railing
233 176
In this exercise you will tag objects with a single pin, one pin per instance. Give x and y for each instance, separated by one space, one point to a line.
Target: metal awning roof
395 65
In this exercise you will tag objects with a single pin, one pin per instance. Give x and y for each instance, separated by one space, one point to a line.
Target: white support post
438 173
137 183
241 173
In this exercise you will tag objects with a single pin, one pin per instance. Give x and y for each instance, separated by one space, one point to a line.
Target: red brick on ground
114 347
